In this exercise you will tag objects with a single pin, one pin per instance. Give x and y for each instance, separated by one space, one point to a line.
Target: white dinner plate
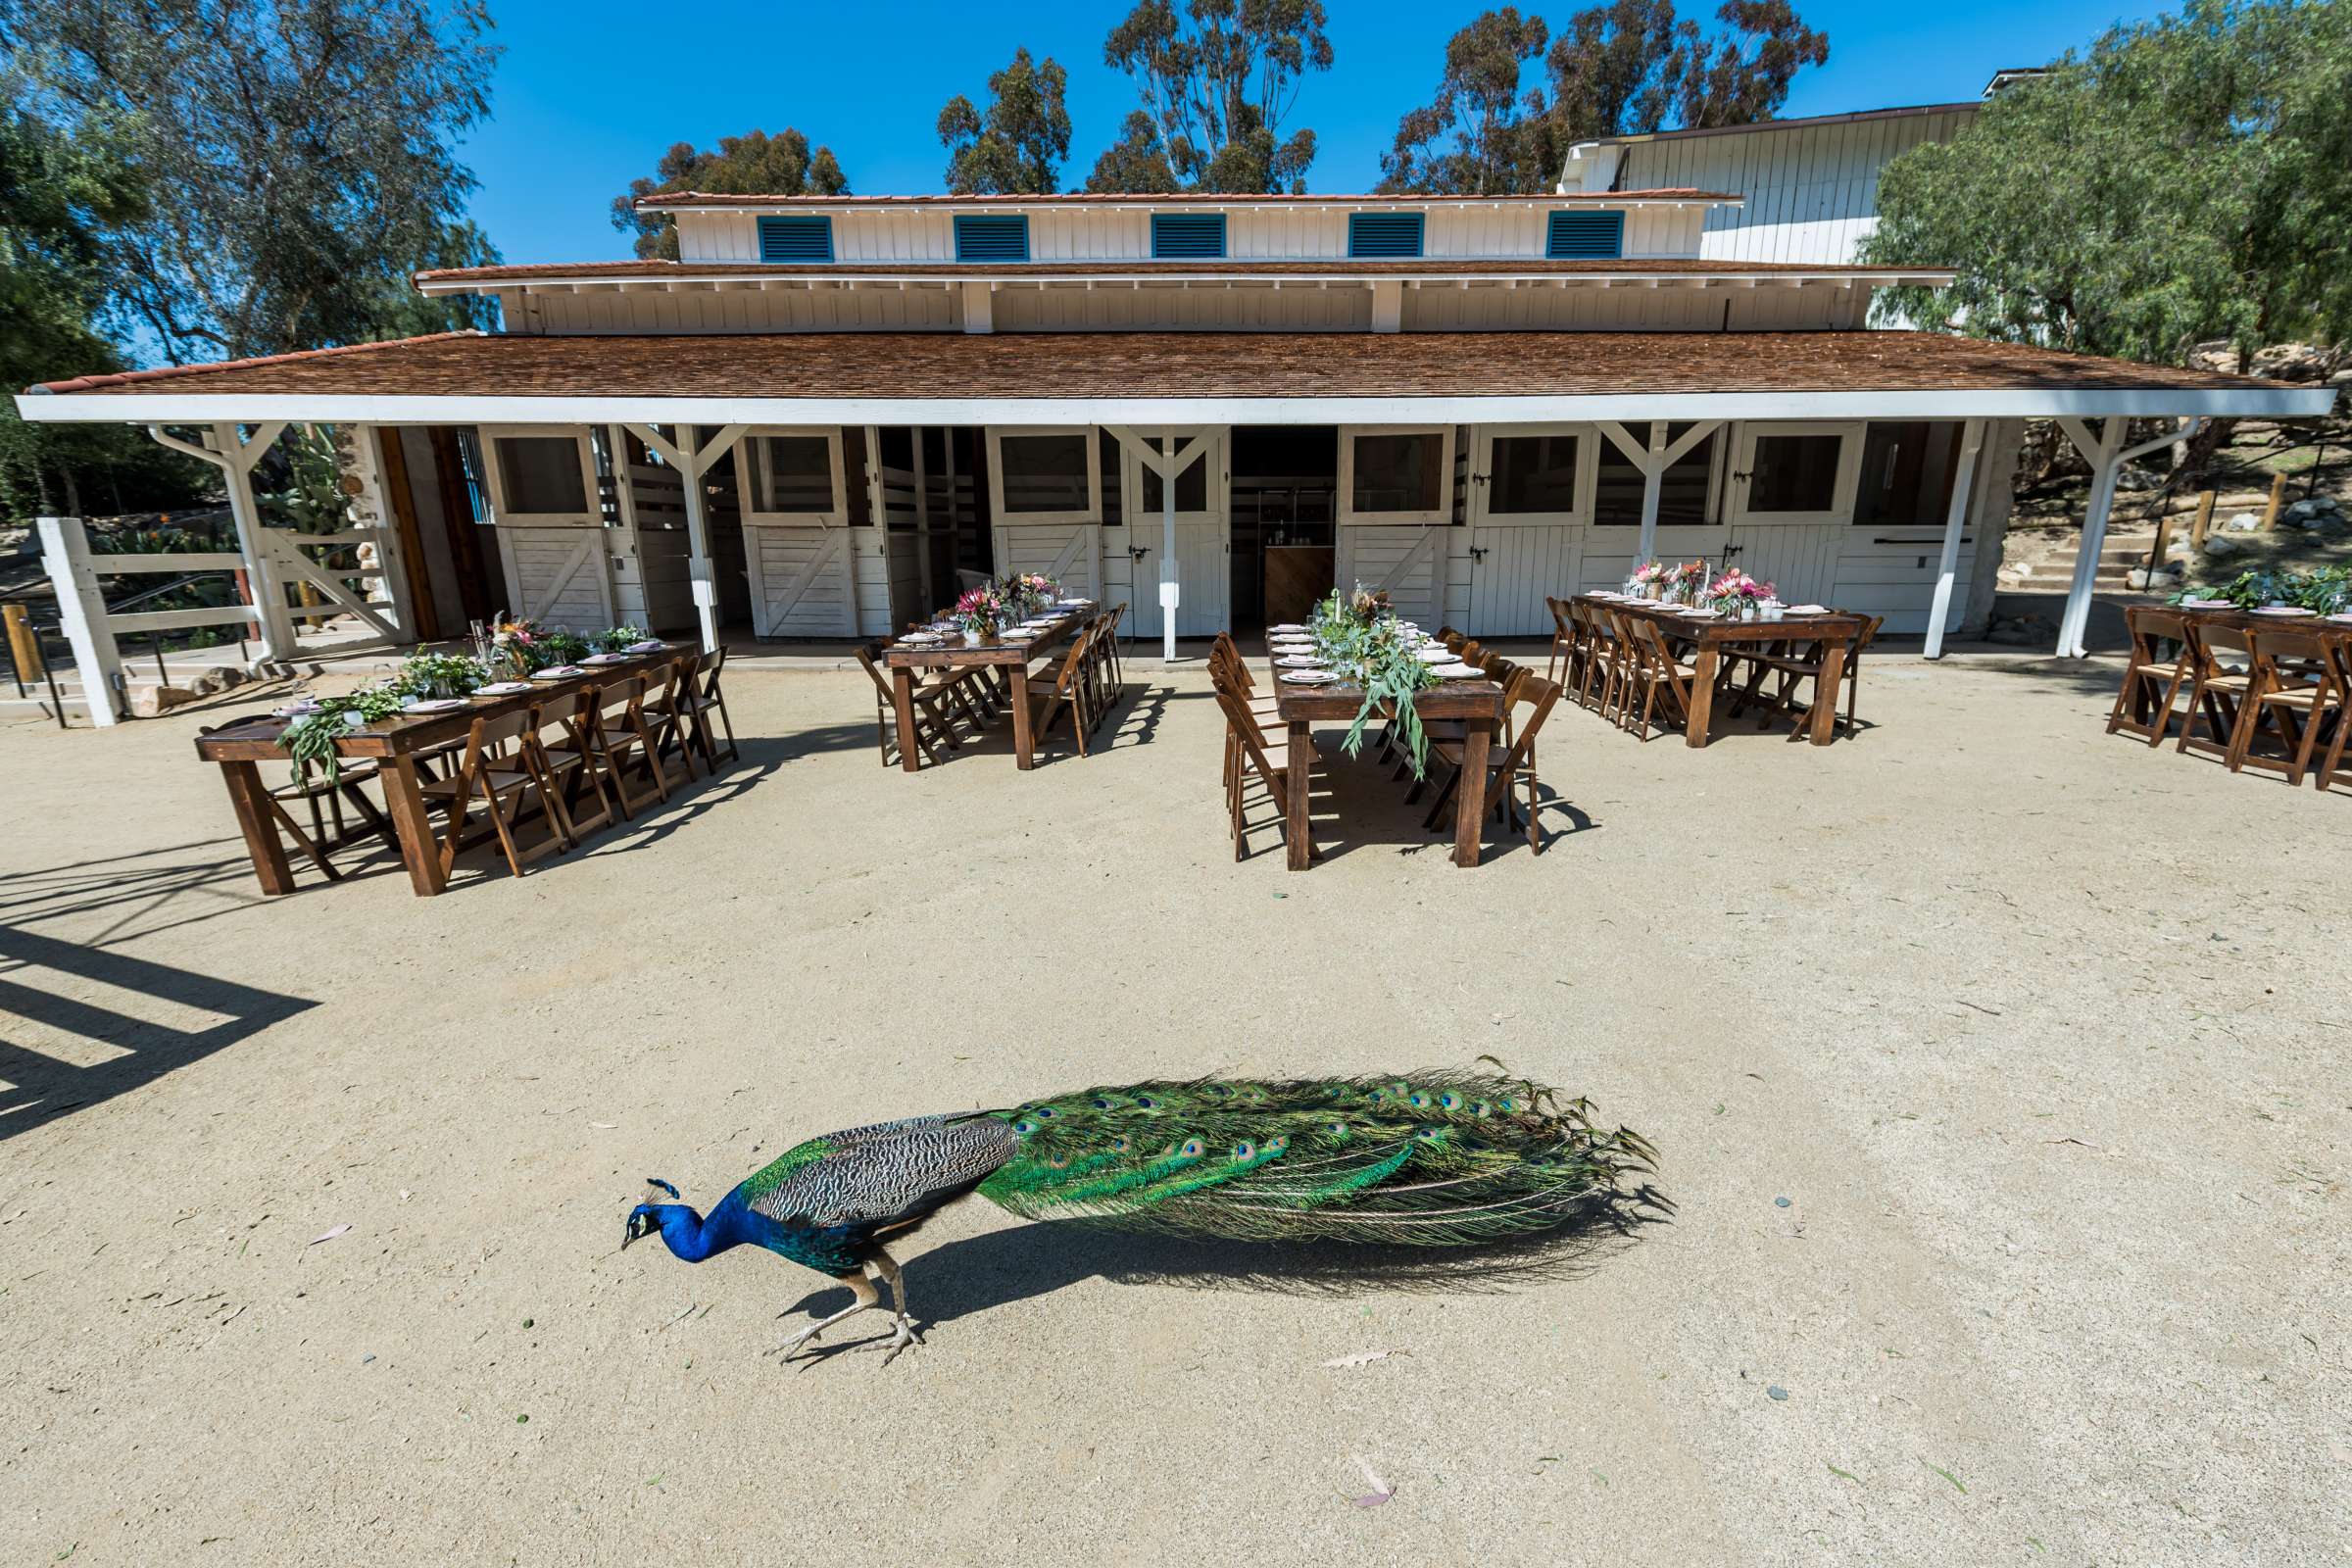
1300 661
1808 610
653 645
2205 604
501 688
301 709
1309 677
1436 656
606 658
2282 611
558 672
1456 670
434 705
2341 620
1288 625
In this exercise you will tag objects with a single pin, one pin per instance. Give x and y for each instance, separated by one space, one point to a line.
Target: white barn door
1791 500
1530 498
1204 538
563 576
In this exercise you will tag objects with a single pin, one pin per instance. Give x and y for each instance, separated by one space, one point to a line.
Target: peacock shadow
1020 1263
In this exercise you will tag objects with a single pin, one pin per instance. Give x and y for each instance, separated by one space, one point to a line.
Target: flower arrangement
516 647
619 639
1647 578
980 612
1361 639
1736 593
1027 593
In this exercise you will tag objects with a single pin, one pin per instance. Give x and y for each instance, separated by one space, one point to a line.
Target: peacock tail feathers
1429 1159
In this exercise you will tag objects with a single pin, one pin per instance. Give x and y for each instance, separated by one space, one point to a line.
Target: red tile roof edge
695 198
94 383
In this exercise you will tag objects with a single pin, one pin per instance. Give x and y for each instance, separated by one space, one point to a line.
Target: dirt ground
1997 1066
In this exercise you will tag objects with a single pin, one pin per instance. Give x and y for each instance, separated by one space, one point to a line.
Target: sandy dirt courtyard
1996 1068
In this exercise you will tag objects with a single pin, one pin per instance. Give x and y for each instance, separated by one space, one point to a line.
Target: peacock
1429 1159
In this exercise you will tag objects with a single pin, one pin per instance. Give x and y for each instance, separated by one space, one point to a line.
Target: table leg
1300 781
1826 694
251 799
1470 793
414 827
1024 742
1702 694
902 703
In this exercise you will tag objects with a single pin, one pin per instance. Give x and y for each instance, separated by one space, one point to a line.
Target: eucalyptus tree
1015 146
753 164
1219 81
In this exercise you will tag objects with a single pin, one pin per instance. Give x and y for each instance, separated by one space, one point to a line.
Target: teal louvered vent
797 238
1375 235
1188 236
992 237
1579 235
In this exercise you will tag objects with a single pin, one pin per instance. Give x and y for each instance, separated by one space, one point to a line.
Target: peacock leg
886 1267
867 1298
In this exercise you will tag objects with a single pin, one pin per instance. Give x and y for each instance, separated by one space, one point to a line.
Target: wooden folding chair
1561 665
663 709
934 698
2338 650
700 703
1652 665
614 737
2290 690
2217 687
308 784
1063 684
2150 694
1268 759
503 783
1514 762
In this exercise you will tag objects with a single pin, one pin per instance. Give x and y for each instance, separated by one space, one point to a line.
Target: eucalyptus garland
311 738
2326 591
1361 639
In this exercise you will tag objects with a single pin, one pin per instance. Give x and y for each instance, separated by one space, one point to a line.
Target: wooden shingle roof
1169 364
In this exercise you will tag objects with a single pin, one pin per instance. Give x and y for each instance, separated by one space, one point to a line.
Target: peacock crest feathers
1430 1157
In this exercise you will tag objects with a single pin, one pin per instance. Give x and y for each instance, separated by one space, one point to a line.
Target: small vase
971 638
1747 609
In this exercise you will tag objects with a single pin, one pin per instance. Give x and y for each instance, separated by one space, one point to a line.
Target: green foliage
1016 147
311 738
1217 82
1429 1159
57 196
616 639
753 164
298 486
1626 68
2326 591
1359 640
2189 179
301 152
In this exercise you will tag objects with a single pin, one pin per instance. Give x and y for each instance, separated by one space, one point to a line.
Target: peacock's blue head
650 1218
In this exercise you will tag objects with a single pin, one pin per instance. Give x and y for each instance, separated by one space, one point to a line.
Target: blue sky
591 91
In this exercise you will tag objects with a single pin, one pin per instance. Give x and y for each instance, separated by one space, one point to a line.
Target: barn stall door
563 576
1204 558
1069 553
1530 497
1791 500
1407 563
800 581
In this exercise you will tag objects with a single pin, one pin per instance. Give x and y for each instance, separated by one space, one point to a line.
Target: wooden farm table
2248 620
1833 632
902 660
1477 702
394 745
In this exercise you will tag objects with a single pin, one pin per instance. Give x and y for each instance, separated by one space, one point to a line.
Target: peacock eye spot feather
1337 1129
1146 1102
1024 1127
1276 1146
1243 1150
1192 1148
1059 1163
1102 1104
1478 1108
1221 1091
1119 1145
1451 1101
1044 1110
1377 1096
1420 1102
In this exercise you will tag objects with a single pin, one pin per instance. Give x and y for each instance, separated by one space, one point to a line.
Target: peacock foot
897 1343
810 1333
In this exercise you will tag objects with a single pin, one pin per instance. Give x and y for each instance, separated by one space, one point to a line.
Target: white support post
1948 567
2108 455
1654 485
81 608
1171 590
693 463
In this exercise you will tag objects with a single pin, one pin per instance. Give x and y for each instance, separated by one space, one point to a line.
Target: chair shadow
36 1088
136 884
1021 1262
